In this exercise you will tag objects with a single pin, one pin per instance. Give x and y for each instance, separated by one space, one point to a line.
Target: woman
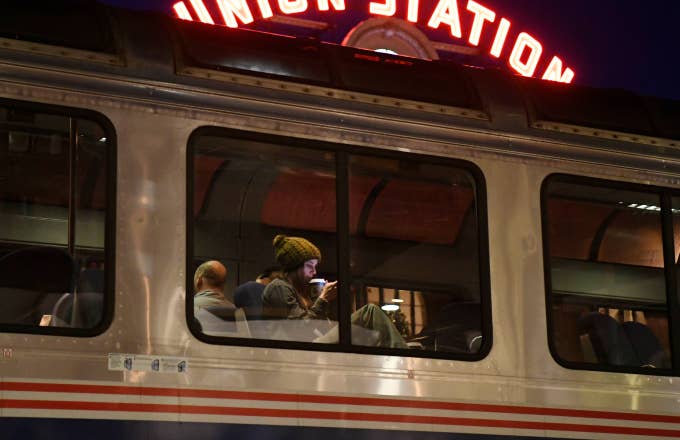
289 296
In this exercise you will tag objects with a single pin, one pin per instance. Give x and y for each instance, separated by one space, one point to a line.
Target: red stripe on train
332 400
330 415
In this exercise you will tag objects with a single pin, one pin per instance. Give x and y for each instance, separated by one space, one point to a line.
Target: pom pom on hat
292 252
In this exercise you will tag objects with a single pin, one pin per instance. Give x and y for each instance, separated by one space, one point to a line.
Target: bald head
210 275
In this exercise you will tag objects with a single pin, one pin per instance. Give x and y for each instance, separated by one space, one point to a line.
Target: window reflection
608 298
415 250
246 194
267 212
52 219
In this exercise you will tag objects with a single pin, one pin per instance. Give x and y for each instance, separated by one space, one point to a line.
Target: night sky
632 45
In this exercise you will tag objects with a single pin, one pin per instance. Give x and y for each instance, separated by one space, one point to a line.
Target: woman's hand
329 291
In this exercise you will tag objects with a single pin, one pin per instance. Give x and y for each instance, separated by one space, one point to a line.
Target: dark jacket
280 300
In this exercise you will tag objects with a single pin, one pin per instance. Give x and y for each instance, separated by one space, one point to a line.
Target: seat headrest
225 312
41 269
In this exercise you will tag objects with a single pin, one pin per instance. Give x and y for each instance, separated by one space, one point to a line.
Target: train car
504 249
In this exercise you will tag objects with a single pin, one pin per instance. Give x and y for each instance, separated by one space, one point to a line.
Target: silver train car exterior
544 214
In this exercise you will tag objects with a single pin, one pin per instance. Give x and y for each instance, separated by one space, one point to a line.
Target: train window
325 248
605 260
53 199
414 253
246 194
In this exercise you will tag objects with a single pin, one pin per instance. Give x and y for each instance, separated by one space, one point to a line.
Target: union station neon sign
523 54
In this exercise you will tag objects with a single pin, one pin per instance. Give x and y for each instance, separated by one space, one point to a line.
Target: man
209 281
289 296
249 294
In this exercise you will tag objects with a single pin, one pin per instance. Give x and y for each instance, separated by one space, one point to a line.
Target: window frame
669 270
109 218
343 248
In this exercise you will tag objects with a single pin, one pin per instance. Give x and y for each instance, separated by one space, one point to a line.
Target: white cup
316 286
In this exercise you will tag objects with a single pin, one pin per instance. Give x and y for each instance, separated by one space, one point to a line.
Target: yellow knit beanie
292 252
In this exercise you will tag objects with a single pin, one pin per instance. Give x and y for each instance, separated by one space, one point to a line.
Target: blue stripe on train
72 429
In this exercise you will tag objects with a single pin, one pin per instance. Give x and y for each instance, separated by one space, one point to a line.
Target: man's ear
199 284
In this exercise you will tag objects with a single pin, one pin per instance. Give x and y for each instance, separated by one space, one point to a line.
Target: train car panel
151 372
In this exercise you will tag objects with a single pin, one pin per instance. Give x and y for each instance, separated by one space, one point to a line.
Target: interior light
645 207
390 307
397 300
102 139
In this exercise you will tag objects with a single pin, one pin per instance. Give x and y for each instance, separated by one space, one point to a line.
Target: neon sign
525 52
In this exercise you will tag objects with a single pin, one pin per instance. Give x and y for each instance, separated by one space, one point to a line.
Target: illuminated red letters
265 9
338 5
524 57
182 11
387 9
499 40
202 12
481 14
447 12
292 6
524 43
230 9
554 72
412 15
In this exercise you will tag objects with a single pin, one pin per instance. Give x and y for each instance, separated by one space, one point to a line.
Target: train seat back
456 328
91 280
249 297
646 345
226 321
31 281
473 339
608 340
80 309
